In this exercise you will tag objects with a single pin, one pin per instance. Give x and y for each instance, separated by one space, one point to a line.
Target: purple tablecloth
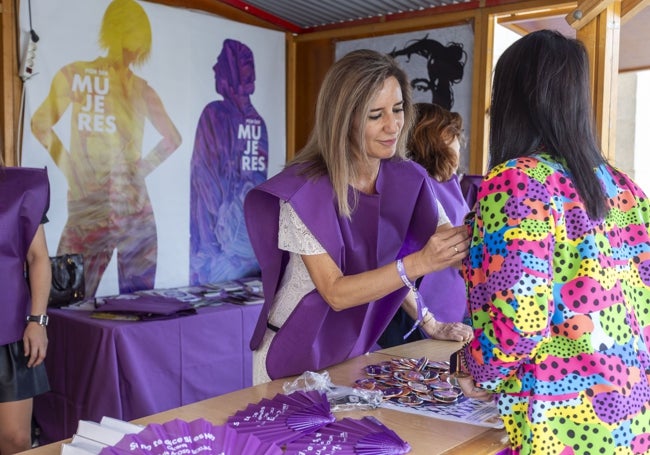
128 370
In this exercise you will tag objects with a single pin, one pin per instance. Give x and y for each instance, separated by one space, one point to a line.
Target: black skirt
17 382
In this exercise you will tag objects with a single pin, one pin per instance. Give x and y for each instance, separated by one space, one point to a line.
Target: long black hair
541 101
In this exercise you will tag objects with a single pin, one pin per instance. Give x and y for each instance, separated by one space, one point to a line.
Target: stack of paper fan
366 436
284 417
199 436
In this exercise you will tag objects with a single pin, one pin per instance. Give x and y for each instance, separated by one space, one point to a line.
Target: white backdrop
185 47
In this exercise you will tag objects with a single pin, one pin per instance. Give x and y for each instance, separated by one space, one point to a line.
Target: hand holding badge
457 364
458 370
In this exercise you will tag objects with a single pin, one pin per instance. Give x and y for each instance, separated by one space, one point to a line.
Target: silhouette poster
112 110
439 65
230 157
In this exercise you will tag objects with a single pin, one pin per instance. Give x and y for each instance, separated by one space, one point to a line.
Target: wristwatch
40 319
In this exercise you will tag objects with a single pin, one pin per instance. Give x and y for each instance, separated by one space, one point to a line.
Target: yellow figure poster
118 122
108 204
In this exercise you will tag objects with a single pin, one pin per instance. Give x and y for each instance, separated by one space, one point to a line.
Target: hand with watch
458 370
35 338
40 319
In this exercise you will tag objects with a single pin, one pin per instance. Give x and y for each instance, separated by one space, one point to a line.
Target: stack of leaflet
91 437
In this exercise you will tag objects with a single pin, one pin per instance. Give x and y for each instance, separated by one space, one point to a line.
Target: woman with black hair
558 274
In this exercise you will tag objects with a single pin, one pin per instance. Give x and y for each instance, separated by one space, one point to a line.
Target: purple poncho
25 199
396 221
443 292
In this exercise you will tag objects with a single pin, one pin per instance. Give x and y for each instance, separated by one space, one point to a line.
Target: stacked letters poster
153 122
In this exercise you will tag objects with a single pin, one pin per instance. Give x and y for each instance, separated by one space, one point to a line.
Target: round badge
445 396
401 364
392 392
376 370
428 397
430 376
412 376
365 383
411 400
421 363
438 365
418 387
440 385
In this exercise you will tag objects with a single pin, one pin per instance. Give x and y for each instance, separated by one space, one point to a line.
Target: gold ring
456 249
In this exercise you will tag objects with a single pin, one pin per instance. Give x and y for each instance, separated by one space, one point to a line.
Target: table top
426 435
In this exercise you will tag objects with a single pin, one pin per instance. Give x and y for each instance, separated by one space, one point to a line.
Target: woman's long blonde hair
336 145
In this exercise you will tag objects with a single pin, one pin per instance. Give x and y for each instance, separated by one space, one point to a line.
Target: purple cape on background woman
396 221
24 201
444 292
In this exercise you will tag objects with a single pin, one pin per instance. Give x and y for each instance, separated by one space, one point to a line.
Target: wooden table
426 435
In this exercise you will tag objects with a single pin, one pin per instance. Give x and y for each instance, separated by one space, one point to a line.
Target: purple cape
469 185
24 201
398 220
444 292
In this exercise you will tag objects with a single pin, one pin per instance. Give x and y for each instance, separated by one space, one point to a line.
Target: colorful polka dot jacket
560 306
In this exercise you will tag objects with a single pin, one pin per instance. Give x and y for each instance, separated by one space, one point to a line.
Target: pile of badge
411 381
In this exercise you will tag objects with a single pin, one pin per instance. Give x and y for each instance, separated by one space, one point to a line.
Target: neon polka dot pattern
560 306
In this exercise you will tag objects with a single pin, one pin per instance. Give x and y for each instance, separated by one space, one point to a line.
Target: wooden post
481 92
601 36
11 84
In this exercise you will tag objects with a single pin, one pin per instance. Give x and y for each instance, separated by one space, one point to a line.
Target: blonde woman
342 233
435 144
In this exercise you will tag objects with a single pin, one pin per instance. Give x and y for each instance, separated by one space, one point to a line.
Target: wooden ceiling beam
537 14
586 11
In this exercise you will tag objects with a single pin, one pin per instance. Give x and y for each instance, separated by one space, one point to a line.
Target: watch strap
40 319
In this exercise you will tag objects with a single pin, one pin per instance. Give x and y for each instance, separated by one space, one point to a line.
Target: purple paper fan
284 417
199 436
355 429
366 436
384 443
306 421
301 398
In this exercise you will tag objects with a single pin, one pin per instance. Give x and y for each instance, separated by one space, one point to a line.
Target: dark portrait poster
439 65
127 109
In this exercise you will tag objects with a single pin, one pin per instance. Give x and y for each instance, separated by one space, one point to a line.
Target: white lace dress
295 238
